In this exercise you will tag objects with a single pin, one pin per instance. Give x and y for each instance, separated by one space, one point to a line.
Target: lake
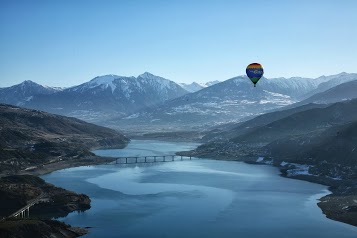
194 198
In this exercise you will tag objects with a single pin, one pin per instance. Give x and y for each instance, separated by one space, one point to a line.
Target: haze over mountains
103 97
153 101
233 100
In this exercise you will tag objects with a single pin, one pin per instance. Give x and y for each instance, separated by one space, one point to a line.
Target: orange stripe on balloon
254 66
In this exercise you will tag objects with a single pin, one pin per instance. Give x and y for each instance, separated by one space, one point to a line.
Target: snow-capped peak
28 83
150 76
158 81
147 75
105 80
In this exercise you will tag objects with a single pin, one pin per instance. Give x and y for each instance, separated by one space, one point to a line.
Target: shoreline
336 206
325 203
333 204
64 164
10 227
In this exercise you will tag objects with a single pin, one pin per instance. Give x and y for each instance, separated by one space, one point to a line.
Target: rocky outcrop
38 229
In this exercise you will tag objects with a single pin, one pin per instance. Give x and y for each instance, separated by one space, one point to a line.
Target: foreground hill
36 142
31 138
335 148
233 130
285 134
313 120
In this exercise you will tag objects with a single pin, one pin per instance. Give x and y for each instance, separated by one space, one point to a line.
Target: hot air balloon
254 72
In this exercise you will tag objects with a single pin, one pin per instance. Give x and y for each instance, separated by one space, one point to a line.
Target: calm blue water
198 198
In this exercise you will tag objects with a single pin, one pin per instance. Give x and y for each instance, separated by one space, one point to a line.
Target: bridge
25 211
151 159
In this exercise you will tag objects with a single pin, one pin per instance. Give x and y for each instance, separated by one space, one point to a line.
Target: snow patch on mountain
194 87
277 94
106 81
155 81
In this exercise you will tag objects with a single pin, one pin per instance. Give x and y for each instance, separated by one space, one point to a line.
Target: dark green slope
31 137
314 120
336 145
230 131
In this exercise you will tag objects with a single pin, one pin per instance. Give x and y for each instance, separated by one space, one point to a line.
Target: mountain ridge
20 93
149 100
232 100
108 96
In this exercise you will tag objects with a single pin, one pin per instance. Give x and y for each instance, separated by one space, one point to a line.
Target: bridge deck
150 159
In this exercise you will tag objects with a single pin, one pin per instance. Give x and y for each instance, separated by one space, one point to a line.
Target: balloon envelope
254 72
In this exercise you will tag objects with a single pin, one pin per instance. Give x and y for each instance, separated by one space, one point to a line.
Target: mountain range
340 92
102 97
154 102
233 100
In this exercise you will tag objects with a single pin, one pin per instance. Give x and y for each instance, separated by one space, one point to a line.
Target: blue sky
65 43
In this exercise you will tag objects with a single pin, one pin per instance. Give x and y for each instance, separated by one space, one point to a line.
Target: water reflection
205 198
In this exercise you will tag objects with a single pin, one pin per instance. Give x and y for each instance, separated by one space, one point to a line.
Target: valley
305 127
178 119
